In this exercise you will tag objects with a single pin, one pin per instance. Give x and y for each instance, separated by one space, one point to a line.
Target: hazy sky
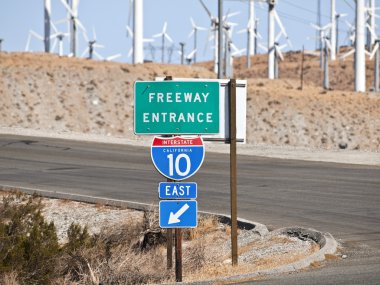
109 18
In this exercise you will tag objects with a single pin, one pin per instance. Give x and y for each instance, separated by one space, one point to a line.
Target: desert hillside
53 94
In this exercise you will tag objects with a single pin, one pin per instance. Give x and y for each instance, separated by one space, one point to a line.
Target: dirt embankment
49 93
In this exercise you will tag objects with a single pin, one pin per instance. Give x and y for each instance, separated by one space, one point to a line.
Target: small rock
227 261
343 145
344 256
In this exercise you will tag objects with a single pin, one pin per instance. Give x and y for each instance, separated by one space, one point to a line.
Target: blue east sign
177 190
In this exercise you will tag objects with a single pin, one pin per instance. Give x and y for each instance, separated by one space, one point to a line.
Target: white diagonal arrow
174 218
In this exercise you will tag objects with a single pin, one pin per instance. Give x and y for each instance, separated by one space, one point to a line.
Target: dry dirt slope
49 93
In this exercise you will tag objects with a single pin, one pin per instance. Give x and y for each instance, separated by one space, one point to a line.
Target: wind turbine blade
347 54
28 42
112 57
234 47
54 44
371 30
130 12
327 42
278 52
191 33
68 8
375 48
157 35
54 27
85 37
80 25
328 26
264 48
278 36
233 14
84 52
98 46
148 40
282 47
191 55
164 27
168 37
315 27
75 5
282 28
349 24
98 55
129 31
192 22
242 31
201 28
93 33
130 52
62 21
206 9
34 34
209 38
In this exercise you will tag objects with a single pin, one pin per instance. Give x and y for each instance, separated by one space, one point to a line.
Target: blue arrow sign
178 214
177 190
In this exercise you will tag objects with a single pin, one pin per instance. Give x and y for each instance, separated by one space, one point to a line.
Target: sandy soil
64 95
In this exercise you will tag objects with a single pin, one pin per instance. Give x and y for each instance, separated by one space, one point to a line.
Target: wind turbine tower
333 31
251 27
271 39
73 27
372 24
360 47
47 19
138 47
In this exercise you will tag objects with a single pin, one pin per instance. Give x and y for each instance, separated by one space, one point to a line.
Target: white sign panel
241 109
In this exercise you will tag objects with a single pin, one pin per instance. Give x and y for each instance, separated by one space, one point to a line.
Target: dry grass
134 252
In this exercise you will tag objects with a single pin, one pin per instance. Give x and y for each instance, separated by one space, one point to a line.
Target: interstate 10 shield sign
177 158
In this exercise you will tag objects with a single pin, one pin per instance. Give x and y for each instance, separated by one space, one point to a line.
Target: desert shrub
195 256
205 226
77 237
112 257
28 244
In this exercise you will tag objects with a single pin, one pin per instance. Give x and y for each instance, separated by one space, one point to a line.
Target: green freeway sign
176 107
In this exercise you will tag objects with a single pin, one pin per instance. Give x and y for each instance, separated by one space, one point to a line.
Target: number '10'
174 164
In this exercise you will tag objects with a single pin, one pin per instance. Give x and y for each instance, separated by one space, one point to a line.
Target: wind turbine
278 56
74 23
194 32
213 28
92 44
337 18
182 52
322 33
130 34
1 42
163 35
251 37
190 56
59 38
272 19
138 41
47 21
30 35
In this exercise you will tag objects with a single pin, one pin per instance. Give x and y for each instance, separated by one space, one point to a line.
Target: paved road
337 198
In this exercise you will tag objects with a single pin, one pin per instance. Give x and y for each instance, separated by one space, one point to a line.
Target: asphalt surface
338 198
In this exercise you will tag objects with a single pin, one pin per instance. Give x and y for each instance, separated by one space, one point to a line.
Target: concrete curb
327 243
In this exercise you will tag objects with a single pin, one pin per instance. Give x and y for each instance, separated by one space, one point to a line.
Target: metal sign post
233 172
